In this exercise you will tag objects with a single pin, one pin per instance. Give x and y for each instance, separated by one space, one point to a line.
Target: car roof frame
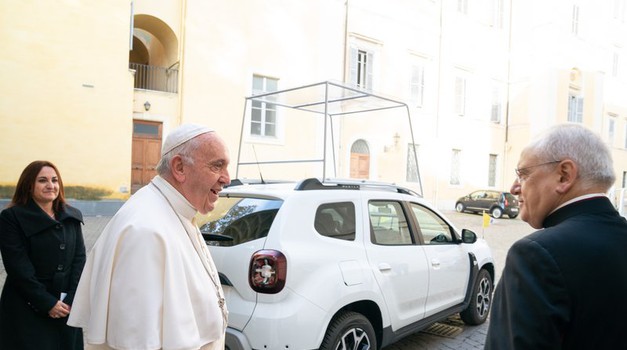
337 100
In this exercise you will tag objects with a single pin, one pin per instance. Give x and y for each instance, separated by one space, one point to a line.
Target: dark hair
26 184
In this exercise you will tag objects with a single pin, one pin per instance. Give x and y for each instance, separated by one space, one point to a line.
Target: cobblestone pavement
445 335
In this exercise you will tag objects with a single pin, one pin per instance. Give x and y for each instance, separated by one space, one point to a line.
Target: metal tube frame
328 117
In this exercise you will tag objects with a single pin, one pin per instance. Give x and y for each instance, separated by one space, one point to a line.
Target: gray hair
185 150
582 146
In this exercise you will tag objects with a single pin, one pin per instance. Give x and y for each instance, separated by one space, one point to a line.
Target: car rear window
238 220
336 220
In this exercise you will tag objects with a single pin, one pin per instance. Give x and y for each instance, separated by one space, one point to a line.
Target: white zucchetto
182 134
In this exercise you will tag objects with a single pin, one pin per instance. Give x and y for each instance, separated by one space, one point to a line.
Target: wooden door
360 160
146 152
360 166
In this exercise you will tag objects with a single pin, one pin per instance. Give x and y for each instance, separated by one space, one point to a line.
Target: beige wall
544 54
69 97
227 42
66 91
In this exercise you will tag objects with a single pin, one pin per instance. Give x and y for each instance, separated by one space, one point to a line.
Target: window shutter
579 109
460 95
369 64
353 66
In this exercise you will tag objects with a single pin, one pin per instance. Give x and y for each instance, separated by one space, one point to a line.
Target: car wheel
480 302
349 331
513 216
497 213
459 207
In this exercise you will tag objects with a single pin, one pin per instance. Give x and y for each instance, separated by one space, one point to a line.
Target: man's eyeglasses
521 174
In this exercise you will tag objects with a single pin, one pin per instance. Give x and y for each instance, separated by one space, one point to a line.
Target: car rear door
486 200
475 200
398 263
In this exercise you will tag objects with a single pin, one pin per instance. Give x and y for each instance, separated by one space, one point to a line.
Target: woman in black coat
43 252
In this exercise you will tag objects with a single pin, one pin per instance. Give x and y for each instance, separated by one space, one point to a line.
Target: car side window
434 230
336 220
388 223
239 220
477 195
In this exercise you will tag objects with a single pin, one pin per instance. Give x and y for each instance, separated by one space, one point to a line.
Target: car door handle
435 263
384 267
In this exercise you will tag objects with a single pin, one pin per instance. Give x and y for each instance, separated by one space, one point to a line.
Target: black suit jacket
565 287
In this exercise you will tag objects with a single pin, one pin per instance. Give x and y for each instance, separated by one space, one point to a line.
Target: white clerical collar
580 198
179 203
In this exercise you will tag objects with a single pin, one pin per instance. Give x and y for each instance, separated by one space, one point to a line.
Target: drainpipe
345 41
506 147
179 118
342 159
437 104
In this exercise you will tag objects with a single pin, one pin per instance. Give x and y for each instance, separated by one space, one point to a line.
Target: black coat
565 287
43 257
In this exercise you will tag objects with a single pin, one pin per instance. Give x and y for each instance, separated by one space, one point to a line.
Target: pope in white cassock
149 281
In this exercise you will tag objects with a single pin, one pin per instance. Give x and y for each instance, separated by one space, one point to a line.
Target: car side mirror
468 236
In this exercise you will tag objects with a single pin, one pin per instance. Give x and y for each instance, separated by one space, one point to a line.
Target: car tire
497 213
349 330
480 301
513 216
459 207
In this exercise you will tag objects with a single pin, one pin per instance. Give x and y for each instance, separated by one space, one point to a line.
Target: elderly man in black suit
565 285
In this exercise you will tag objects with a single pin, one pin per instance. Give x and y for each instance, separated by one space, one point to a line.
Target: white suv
341 265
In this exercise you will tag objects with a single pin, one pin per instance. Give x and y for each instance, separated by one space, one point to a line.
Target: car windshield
239 220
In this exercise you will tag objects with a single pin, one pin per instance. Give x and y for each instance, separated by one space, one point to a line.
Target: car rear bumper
236 340
295 323
511 211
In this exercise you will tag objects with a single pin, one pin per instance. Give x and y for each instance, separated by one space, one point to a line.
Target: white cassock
146 283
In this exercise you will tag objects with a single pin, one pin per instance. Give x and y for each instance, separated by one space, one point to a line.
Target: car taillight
267 271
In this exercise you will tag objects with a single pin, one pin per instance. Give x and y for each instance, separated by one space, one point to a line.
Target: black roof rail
234 182
241 182
315 184
333 184
408 191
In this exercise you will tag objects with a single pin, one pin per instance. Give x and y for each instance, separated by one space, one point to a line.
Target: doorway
146 152
360 160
